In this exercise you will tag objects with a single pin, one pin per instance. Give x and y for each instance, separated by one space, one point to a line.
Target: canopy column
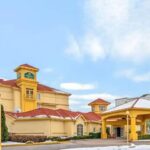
103 132
133 134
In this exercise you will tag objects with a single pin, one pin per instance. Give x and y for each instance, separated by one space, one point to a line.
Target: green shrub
81 137
146 136
26 138
94 135
4 129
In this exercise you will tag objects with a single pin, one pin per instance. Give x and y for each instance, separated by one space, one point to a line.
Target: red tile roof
99 101
40 87
27 65
91 116
59 113
11 83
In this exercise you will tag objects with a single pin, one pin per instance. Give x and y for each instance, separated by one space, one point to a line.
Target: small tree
4 129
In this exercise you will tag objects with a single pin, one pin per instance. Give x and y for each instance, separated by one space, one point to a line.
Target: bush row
94 135
91 135
27 138
146 136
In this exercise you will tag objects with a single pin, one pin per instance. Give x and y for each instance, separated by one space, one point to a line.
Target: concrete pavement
75 144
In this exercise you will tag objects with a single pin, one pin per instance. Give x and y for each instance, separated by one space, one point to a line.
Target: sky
89 48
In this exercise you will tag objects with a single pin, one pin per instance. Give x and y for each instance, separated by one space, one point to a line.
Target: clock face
29 75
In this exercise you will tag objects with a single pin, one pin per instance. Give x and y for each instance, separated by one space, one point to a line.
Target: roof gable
99 101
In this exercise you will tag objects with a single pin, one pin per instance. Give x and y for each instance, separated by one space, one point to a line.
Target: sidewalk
11 144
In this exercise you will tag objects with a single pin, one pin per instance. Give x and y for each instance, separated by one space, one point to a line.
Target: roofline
53 92
26 67
95 103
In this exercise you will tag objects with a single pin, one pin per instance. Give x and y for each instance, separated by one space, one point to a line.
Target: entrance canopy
137 110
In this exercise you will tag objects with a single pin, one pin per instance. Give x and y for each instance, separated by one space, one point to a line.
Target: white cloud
47 70
132 75
80 102
114 28
107 13
93 96
92 47
73 48
135 46
74 102
77 86
89 46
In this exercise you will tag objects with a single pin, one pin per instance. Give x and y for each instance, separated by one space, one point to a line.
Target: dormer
99 105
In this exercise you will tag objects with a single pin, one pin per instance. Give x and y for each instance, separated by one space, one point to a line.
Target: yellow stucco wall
53 100
49 127
10 98
6 98
31 127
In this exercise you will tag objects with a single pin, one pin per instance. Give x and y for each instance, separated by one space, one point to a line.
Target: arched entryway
79 130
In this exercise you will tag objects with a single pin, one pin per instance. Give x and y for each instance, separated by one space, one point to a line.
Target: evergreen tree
4 129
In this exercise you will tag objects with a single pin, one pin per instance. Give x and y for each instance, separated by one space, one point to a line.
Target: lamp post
127 113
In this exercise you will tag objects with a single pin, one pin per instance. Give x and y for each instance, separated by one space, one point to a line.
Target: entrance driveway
76 144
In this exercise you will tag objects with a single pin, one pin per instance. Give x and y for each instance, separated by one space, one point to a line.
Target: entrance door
118 132
79 130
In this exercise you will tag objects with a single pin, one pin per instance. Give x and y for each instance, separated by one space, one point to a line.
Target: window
102 108
93 109
38 96
29 93
18 75
79 130
148 126
94 129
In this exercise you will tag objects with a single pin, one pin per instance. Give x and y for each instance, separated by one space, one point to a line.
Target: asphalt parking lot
76 144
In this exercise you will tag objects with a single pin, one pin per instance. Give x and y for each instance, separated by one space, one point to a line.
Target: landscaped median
23 140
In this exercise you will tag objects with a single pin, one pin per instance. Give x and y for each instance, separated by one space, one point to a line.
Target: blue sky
90 48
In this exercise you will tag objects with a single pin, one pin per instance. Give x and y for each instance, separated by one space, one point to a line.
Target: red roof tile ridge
99 100
28 65
89 116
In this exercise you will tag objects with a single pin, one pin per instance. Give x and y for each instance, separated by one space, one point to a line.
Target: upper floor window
38 96
93 109
29 93
29 75
102 108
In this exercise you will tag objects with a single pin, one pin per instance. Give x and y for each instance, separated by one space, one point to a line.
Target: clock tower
27 81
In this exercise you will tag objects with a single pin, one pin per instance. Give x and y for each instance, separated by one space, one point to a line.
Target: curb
34 144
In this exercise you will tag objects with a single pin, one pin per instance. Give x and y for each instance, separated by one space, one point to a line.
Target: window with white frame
29 93
102 108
